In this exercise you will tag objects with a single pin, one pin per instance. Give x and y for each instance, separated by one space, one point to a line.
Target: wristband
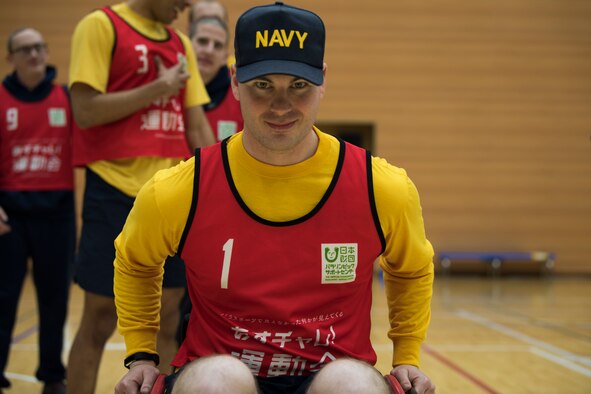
141 356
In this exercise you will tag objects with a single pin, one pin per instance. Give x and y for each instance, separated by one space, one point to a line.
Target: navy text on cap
279 39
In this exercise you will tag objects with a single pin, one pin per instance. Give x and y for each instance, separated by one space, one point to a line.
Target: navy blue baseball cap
279 39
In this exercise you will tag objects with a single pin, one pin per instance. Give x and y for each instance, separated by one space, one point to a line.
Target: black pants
49 241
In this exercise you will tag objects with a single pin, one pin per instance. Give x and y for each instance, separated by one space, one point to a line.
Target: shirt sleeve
163 203
196 94
92 45
407 261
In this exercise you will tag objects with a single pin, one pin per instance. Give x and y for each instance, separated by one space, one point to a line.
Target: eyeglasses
28 49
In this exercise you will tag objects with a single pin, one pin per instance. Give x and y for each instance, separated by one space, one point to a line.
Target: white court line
19 376
24 346
561 361
566 356
115 346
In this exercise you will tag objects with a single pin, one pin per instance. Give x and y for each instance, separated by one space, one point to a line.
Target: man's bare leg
98 323
220 374
348 376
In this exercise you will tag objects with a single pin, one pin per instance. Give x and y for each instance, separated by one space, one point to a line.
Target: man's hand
139 379
4 226
410 376
174 78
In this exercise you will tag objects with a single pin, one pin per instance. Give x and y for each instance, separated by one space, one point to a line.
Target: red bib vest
225 119
285 298
35 143
156 130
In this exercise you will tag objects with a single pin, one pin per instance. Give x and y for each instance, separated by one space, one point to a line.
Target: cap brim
267 67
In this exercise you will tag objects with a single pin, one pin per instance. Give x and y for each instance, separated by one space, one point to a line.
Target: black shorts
104 213
274 385
284 384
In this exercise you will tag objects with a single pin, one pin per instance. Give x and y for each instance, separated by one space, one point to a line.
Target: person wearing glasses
36 201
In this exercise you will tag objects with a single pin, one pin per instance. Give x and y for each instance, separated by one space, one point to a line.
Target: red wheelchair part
159 385
396 387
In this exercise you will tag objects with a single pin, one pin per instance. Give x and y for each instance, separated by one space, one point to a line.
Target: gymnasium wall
486 104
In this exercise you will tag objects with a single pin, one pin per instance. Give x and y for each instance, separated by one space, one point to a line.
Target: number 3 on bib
143 58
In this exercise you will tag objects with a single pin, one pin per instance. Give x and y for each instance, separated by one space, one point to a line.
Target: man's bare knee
348 376
220 374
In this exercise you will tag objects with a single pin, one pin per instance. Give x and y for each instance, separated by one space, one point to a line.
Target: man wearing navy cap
279 251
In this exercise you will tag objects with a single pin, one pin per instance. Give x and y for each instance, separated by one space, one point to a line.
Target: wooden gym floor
488 335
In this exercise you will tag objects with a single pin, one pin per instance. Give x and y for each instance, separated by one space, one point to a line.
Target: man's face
210 45
28 53
166 11
279 112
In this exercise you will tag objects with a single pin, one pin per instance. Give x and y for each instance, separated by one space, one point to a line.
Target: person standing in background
137 97
209 36
36 201
203 8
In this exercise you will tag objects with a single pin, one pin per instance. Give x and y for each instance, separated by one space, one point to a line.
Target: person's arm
91 107
407 263
198 132
152 232
409 300
140 252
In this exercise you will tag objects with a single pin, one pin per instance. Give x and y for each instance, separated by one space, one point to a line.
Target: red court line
444 360
28 332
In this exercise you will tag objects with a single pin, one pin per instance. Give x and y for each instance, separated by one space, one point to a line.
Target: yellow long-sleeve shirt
156 223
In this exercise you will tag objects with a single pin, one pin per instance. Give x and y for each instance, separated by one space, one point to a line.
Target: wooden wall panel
486 104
